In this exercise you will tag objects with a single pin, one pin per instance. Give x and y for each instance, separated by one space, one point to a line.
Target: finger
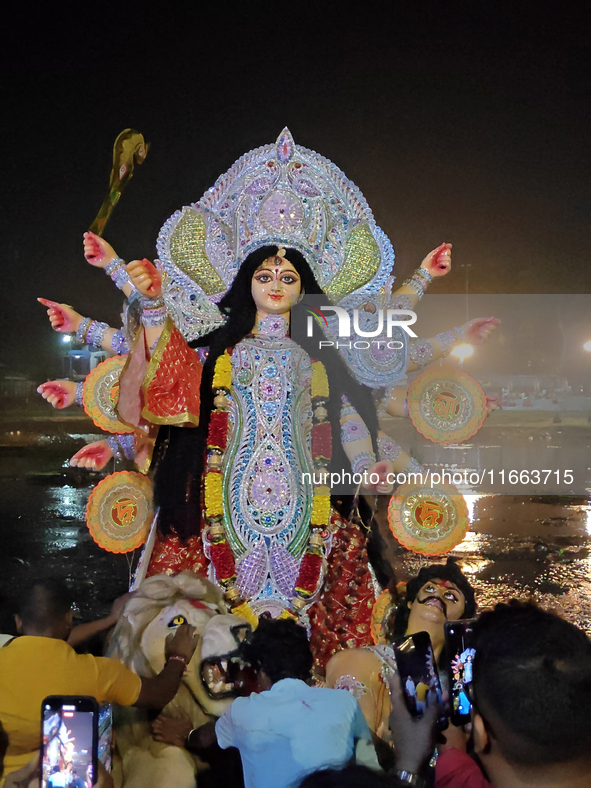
47 302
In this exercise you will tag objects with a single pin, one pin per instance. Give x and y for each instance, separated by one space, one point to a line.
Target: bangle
82 330
95 333
447 341
408 777
188 739
119 344
118 273
424 274
79 393
178 659
362 462
154 312
418 284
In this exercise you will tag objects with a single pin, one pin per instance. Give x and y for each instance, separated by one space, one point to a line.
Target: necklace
222 558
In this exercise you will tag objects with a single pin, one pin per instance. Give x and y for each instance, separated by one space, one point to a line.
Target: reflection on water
516 546
524 548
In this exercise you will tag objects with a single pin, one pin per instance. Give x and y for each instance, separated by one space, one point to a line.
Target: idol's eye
429 587
177 621
450 596
289 279
263 278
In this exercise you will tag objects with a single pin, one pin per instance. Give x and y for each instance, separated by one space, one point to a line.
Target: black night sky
467 122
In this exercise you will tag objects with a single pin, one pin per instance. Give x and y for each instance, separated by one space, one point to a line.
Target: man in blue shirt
291 729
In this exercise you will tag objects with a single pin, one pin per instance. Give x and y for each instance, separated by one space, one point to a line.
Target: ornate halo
446 405
428 520
119 511
100 395
280 194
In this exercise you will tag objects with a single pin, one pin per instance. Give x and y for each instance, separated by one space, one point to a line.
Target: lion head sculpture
157 608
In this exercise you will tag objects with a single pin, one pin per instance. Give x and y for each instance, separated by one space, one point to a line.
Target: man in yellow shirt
41 663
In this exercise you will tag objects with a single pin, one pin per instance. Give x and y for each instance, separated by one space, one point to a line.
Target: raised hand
59 393
438 262
382 469
93 456
97 251
477 331
146 277
61 316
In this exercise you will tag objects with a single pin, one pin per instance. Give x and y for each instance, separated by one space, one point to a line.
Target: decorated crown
280 194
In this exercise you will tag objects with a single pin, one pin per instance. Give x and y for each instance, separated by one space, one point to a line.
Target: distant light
462 351
66 338
587 346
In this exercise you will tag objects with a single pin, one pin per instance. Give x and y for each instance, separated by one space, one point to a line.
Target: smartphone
105 735
459 644
70 738
418 674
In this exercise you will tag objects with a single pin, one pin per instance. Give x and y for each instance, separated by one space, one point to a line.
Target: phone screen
70 741
459 646
418 672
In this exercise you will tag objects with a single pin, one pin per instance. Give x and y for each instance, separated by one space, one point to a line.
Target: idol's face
273 285
437 601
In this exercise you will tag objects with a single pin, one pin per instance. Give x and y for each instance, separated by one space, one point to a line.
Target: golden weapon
129 149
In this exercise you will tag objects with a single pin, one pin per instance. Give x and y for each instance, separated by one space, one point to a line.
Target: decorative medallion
428 520
100 395
120 511
446 405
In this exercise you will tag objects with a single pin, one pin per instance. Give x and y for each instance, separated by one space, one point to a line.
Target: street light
66 339
587 346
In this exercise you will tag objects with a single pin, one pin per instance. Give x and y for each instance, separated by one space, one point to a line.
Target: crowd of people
530 696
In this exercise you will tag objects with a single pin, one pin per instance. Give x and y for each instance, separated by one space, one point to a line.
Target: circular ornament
281 212
100 395
120 511
446 405
428 520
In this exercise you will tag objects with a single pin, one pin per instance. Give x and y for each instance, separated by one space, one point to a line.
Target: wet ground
519 546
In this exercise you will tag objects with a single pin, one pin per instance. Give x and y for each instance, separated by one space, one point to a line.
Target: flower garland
220 551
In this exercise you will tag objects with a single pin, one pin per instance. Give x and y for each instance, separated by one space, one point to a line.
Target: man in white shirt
291 729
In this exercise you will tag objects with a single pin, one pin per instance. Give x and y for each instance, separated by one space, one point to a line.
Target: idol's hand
492 403
97 251
382 469
145 276
61 316
93 456
438 262
59 393
477 331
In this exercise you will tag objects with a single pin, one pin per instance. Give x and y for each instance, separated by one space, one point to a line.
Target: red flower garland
309 574
322 441
223 561
217 434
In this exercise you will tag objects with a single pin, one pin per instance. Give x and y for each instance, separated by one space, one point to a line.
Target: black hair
398 620
352 776
3 748
532 684
44 603
280 648
180 453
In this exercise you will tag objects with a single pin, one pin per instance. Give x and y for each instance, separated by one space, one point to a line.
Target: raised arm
146 278
423 351
65 320
101 254
437 263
